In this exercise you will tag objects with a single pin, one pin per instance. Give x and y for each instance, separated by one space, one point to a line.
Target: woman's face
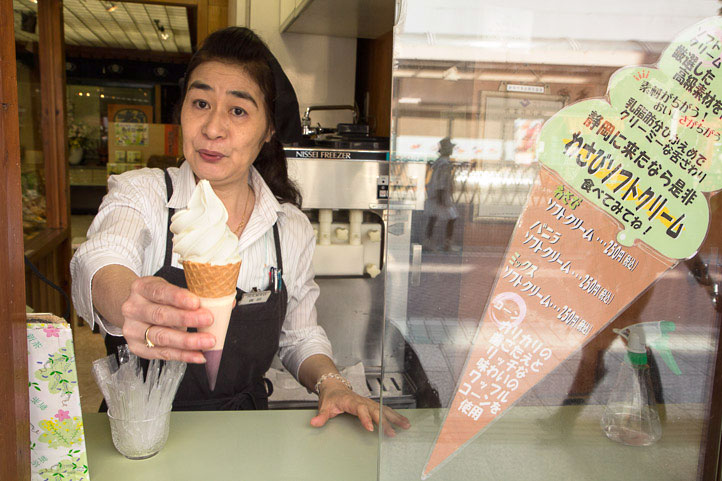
223 118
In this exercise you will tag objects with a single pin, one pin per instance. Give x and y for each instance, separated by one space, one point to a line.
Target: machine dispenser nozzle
355 220
325 217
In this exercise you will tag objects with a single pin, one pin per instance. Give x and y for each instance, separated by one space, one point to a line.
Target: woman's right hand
165 311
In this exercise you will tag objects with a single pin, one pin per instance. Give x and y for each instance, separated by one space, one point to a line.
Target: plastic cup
139 439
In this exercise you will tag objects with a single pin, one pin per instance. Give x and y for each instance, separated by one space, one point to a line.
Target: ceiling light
161 30
409 100
111 8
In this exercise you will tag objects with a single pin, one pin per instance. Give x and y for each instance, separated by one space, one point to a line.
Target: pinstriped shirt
130 230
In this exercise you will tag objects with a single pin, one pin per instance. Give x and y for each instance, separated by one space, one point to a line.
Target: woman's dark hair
240 46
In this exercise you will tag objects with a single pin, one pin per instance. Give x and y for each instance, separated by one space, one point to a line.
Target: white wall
322 69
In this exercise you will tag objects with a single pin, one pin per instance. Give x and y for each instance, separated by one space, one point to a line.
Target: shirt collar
183 185
185 182
265 210
266 202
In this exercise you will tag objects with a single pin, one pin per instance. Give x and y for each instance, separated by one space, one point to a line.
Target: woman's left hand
335 398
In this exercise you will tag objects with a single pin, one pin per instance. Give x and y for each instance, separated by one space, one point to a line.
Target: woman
237 107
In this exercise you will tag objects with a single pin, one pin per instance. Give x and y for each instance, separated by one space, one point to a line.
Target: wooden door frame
51 56
711 445
14 410
55 237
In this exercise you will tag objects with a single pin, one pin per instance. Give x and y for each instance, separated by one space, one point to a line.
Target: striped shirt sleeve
301 336
119 234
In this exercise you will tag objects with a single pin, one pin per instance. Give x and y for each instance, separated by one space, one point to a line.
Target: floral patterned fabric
57 441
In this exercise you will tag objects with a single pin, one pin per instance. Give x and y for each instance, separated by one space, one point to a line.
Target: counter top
530 443
248 445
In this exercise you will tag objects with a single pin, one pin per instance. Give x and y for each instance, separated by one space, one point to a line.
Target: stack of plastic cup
139 403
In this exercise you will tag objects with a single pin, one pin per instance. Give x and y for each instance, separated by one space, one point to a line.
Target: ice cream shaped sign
621 197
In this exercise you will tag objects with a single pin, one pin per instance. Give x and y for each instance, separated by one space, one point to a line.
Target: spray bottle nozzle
652 334
666 327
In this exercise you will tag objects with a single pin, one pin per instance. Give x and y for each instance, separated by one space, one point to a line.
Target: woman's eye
201 104
237 111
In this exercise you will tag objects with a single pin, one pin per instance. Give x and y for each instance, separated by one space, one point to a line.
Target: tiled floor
88 347
443 351
441 332
79 227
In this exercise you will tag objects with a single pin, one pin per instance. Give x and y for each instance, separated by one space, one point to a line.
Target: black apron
252 340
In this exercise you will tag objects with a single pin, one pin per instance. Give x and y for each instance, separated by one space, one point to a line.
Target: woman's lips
210 155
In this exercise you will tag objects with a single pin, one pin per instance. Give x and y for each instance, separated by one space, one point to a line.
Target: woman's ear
269 135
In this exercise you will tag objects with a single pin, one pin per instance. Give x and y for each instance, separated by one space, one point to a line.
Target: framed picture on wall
131 134
135 114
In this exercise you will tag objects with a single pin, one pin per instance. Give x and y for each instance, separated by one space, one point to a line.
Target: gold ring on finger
148 342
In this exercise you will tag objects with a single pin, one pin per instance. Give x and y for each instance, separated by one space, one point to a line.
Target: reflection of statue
439 203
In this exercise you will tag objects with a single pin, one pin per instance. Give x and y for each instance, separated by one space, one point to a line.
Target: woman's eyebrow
197 84
241 94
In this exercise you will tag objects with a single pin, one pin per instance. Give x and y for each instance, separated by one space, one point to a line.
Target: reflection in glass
488 77
29 110
90 109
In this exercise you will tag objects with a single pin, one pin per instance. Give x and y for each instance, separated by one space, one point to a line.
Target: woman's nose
214 127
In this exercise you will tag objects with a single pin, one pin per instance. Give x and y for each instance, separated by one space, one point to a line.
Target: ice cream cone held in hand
208 251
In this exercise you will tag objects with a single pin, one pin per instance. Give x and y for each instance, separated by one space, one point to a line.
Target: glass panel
31 138
92 157
88 107
519 273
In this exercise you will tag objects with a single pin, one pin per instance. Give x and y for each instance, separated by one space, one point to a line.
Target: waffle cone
207 280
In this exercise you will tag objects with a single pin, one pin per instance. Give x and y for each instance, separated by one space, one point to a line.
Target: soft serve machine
345 181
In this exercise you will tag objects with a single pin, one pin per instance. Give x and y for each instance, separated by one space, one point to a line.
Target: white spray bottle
631 416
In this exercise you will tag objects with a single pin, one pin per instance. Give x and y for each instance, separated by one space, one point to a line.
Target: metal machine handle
306 119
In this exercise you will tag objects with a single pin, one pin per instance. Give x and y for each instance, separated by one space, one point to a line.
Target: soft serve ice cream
200 231
208 251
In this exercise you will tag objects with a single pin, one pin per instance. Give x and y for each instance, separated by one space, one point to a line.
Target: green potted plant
78 140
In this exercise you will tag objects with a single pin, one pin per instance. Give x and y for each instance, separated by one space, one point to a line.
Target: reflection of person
439 202
237 106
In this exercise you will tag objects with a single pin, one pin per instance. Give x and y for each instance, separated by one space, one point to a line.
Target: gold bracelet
331 375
